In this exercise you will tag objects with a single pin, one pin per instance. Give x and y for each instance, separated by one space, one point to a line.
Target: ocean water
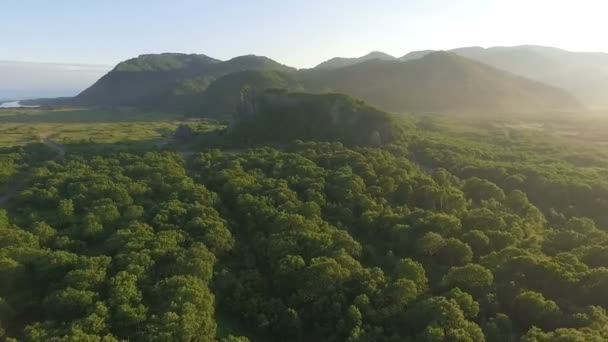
15 104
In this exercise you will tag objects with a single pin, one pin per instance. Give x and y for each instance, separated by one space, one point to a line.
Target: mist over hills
524 78
439 81
584 74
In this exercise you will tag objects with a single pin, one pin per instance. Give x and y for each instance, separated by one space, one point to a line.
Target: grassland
83 125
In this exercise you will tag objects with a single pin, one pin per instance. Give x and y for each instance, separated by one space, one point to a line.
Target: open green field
82 125
24 132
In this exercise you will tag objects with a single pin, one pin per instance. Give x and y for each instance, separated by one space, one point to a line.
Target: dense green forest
459 228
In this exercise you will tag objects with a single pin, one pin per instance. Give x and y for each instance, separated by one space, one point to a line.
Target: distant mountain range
439 81
516 79
584 74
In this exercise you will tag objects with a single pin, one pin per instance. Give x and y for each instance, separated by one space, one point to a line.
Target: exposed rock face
375 139
245 110
276 114
247 107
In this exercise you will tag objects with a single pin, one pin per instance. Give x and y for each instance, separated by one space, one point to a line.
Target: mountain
415 55
419 81
584 74
439 81
276 115
340 62
223 95
154 80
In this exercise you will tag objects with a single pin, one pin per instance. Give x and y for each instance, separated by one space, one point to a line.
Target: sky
22 80
298 33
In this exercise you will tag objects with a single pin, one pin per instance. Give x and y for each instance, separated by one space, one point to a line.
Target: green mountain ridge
437 82
440 81
340 62
223 95
583 74
153 80
420 81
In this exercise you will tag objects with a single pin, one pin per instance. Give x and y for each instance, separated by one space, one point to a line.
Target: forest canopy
441 234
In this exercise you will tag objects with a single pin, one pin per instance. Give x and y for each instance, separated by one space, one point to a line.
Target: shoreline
14 104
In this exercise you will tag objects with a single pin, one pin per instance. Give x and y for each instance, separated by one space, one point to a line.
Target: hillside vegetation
421 81
222 97
584 74
340 62
155 80
439 81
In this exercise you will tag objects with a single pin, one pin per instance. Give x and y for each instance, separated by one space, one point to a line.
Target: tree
187 308
429 244
481 189
412 270
499 328
439 317
531 308
454 253
472 278
67 304
125 301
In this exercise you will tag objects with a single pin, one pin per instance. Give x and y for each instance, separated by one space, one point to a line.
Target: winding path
55 146
60 149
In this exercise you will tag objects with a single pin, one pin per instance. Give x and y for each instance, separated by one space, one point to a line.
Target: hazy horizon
301 35
60 48
20 80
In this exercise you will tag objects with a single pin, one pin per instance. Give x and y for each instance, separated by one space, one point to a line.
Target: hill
340 62
439 81
223 95
415 55
153 80
584 74
279 116
419 81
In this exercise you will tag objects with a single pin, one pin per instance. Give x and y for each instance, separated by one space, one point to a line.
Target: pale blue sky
299 33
